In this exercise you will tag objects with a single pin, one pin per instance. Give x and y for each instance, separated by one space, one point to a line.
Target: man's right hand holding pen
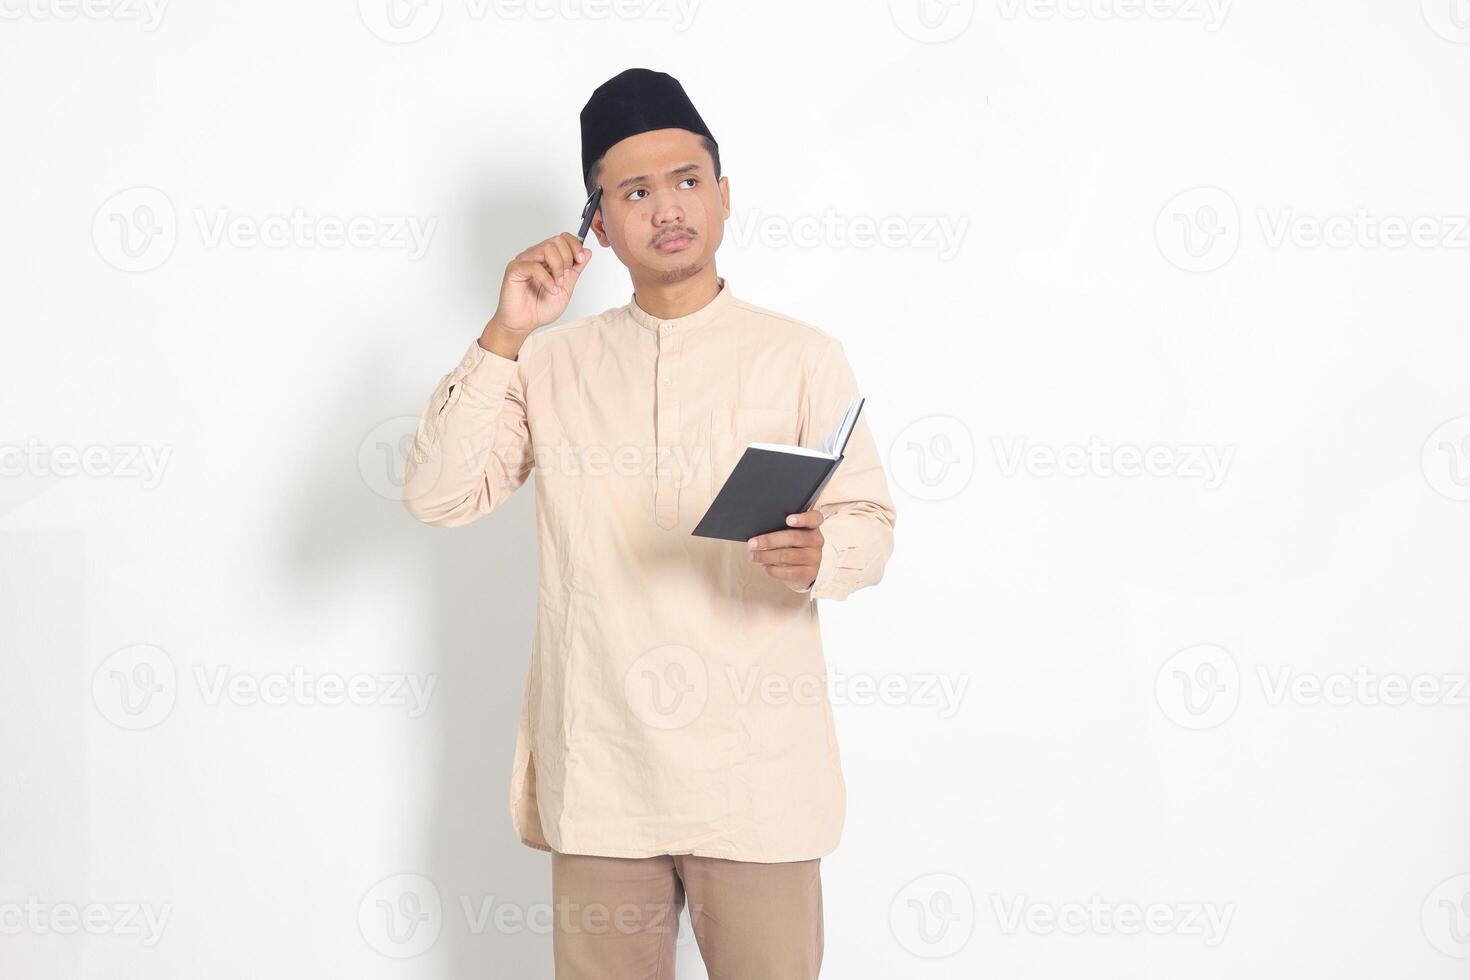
535 291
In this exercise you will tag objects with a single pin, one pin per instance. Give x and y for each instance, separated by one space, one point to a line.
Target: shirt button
667 382
668 326
664 451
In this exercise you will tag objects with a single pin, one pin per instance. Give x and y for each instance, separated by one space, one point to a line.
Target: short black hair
595 173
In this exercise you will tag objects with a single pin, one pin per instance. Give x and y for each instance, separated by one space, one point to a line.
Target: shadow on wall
479 587
485 589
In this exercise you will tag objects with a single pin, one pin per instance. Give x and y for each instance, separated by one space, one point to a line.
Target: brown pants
618 918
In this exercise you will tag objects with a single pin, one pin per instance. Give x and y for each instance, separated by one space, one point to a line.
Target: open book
772 481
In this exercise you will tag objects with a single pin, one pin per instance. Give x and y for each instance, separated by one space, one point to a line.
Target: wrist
498 340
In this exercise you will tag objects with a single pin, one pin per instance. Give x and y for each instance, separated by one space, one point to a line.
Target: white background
1229 231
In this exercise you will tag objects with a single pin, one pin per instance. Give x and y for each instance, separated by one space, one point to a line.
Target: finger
580 258
545 255
579 251
572 250
787 556
537 273
559 255
551 259
792 573
801 538
809 518
536 253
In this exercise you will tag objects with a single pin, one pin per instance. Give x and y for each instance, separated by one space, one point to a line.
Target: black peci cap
635 101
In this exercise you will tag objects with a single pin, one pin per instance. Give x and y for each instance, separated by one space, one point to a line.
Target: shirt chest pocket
732 429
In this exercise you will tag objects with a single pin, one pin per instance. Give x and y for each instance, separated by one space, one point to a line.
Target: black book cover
764 487
769 484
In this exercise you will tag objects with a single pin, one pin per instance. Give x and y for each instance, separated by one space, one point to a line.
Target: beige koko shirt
677 697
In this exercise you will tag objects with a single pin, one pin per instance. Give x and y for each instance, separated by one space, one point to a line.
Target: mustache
685 233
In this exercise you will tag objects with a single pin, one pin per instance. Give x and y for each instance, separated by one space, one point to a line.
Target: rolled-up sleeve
857 511
472 447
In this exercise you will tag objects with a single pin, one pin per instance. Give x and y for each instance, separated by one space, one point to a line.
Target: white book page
794 450
838 437
844 428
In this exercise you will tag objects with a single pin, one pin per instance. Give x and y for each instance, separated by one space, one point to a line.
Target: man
676 737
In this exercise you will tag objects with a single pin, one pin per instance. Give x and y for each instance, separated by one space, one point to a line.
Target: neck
668 300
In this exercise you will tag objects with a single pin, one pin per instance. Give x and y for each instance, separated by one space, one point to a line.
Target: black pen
588 210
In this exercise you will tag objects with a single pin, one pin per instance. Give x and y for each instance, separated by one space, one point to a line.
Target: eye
690 180
630 196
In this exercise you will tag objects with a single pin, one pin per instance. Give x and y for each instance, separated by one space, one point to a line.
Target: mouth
674 243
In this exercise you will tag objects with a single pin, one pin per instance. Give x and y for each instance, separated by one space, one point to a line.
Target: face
663 213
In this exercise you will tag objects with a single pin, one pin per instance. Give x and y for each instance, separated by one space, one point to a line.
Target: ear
598 229
725 193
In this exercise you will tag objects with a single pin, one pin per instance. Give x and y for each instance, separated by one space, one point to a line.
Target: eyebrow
672 173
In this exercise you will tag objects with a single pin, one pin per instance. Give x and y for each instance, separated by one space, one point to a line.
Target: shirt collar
709 311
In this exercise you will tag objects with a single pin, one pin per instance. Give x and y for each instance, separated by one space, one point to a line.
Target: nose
667 210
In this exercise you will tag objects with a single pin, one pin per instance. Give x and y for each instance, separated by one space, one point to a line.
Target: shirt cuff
483 368
841 567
